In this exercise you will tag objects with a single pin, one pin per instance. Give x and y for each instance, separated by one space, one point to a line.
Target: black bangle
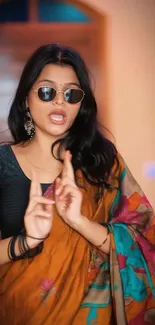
36 237
12 240
11 249
29 236
24 249
23 246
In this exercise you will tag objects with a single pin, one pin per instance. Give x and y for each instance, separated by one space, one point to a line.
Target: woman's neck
41 144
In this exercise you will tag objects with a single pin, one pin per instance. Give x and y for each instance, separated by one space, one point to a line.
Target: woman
79 248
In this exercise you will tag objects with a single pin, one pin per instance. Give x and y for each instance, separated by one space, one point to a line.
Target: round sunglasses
71 95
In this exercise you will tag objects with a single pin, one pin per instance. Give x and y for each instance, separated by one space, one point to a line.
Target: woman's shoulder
4 151
9 167
4 160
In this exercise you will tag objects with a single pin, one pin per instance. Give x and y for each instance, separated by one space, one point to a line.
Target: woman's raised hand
39 213
68 197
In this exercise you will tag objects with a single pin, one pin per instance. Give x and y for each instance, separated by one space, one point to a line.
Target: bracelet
24 233
99 246
36 237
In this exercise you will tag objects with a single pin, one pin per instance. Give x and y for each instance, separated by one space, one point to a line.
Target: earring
29 125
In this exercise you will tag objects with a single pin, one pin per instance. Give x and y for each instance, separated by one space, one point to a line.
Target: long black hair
92 152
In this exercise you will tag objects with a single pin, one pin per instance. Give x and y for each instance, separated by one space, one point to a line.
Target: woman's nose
59 98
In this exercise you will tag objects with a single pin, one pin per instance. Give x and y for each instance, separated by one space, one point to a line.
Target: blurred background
117 40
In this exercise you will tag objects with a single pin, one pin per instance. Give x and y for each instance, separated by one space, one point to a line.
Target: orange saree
71 282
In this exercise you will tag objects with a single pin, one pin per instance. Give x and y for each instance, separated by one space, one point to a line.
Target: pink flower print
46 285
48 289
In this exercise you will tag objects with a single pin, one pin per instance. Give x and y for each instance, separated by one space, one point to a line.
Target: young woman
77 233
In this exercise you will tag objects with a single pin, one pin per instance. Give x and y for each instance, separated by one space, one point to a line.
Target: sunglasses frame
57 92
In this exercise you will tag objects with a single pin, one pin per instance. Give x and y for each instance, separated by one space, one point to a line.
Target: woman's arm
95 233
4 243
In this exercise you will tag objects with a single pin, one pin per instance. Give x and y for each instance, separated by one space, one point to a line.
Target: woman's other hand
39 213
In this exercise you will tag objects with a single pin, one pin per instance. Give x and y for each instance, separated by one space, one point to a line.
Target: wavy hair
92 152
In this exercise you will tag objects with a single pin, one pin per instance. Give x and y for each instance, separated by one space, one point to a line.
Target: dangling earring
29 125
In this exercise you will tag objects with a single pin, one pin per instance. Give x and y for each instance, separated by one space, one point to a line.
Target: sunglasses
71 95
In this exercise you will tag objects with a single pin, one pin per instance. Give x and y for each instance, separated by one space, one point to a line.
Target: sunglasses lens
46 94
73 96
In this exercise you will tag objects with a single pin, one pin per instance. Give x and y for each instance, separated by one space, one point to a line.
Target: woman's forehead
59 75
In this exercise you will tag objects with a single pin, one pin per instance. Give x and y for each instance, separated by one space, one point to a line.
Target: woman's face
56 116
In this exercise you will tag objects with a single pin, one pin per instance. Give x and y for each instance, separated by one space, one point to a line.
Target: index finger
67 167
35 188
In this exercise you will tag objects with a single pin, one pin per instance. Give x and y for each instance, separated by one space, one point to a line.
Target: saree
73 283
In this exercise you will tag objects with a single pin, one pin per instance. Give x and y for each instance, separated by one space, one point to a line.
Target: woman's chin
57 133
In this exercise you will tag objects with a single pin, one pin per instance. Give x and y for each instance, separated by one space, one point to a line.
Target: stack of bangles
24 249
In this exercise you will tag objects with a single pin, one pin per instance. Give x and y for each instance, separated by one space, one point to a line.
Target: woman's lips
57 117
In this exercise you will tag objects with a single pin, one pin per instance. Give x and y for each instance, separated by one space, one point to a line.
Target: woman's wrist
32 243
95 233
81 224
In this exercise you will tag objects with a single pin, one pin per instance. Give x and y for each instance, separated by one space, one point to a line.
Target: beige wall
130 29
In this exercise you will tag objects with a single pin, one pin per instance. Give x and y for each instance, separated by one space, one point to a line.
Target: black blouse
14 193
